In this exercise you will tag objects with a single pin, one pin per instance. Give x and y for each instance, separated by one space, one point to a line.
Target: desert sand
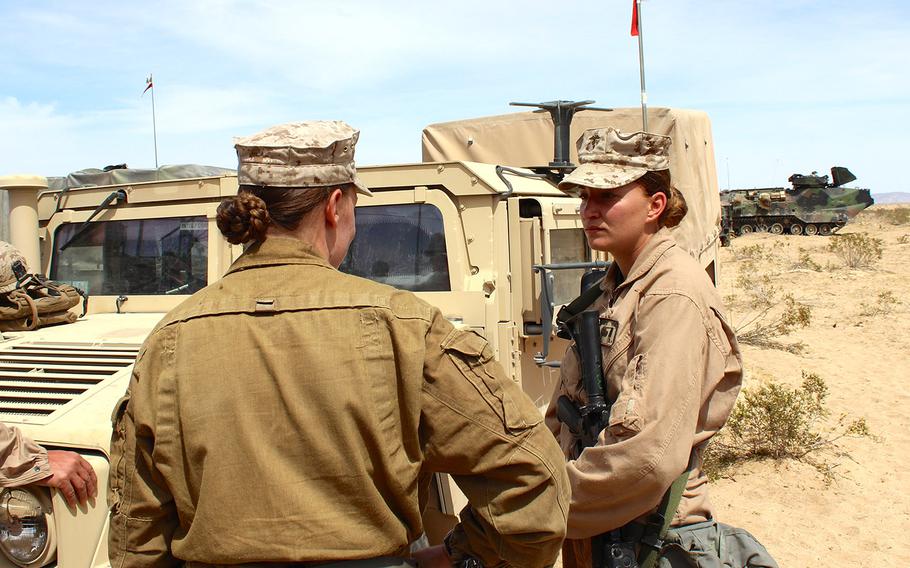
862 518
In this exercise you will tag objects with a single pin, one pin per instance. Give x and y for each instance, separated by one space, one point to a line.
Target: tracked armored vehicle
811 205
493 243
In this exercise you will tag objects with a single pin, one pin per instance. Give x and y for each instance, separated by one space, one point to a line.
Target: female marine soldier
671 365
292 415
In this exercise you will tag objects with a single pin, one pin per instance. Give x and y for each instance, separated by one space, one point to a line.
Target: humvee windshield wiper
114 198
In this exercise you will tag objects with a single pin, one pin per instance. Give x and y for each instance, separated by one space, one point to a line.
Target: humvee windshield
143 256
400 245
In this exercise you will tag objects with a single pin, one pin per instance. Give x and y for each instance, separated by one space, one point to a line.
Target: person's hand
433 557
72 476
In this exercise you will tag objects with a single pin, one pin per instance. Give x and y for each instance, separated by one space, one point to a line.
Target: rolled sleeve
484 431
22 461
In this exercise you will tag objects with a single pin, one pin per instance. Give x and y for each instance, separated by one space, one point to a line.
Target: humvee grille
39 379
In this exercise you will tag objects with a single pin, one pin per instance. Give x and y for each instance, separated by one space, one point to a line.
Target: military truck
490 242
811 205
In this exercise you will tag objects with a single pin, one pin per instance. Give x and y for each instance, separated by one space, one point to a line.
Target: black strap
579 304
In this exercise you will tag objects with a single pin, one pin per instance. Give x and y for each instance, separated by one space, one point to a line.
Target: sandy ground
863 517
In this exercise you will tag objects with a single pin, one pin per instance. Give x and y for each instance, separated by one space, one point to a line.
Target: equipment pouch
35 303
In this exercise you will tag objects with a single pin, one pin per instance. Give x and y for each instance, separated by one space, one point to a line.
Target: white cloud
794 84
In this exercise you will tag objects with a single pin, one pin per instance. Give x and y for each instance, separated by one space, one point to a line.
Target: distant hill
892 197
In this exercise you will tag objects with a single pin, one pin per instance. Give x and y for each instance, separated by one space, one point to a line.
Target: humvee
471 229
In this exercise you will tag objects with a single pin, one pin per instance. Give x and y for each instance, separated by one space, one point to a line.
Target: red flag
148 84
634 17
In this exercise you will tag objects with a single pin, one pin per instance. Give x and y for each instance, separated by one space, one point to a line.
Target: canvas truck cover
121 176
526 139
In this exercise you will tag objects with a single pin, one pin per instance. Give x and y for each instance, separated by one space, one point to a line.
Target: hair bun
243 218
676 208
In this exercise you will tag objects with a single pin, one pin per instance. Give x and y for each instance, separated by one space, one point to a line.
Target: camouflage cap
315 153
610 159
8 256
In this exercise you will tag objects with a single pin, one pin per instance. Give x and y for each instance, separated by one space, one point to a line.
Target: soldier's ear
657 203
332 206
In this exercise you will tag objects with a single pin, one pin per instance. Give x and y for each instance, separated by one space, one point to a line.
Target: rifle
586 422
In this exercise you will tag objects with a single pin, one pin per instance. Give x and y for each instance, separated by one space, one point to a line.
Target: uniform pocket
118 447
625 418
473 357
739 548
691 547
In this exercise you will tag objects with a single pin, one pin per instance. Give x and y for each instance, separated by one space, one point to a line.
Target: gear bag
29 301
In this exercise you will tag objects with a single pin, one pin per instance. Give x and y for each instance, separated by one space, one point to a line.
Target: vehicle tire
811 229
825 230
796 229
776 229
761 229
746 229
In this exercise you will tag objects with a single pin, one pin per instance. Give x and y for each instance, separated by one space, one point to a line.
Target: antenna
562 113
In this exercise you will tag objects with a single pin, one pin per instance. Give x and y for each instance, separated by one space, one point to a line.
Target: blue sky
790 86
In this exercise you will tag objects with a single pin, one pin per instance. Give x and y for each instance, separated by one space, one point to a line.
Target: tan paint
491 250
23 214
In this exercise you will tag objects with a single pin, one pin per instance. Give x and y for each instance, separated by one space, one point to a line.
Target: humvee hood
59 384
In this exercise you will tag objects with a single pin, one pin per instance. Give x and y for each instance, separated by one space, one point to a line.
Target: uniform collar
654 249
277 251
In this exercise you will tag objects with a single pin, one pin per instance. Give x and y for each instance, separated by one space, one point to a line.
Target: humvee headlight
24 528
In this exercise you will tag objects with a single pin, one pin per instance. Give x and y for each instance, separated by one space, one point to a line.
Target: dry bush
778 422
768 313
753 253
899 216
884 304
764 326
903 239
856 250
805 261
892 216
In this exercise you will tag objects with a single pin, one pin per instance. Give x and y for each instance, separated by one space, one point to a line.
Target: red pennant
634 17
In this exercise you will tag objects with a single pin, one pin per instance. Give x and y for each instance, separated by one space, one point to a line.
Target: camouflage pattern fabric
8 256
610 159
299 154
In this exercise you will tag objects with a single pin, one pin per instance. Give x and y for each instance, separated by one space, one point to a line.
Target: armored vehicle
811 205
472 230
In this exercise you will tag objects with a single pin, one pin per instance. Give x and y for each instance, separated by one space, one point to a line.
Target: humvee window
143 256
400 245
567 245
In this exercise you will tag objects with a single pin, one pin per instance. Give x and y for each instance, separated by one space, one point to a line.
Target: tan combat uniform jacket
674 370
22 461
290 412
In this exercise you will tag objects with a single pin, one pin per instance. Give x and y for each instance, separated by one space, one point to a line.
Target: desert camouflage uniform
291 413
672 368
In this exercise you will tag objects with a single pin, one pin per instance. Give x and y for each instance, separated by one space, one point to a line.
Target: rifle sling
581 303
659 522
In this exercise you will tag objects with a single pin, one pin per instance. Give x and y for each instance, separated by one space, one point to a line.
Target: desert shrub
766 324
777 422
856 250
893 216
883 304
806 261
903 239
754 253
899 216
